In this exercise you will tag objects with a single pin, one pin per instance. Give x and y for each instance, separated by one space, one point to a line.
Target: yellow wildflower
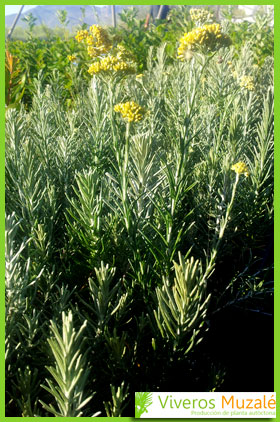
97 40
208 37
90 40
72 58
139 76
94 51
247 82
240 168
200 15
130 111
81 35
111 64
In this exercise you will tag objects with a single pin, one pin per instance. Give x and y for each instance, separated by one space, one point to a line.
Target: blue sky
14 9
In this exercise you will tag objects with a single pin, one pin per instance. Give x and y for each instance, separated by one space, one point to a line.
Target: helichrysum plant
247 82
182 305
205 38
96 38
115 407
106 297
72 58
130 111
240 168
111 64
200 16
135 215
70 372
109 60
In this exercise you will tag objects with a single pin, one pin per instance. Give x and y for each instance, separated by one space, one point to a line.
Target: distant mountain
47 15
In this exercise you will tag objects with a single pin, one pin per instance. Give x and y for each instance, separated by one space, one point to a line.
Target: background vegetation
40 47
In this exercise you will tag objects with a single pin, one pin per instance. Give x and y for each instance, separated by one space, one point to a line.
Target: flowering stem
110 87
127 131
229 208
223 225
203 65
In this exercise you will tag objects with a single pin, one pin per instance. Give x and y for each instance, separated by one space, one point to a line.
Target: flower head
72 58
97 39
200 15
247 82
111 64
207 37
130 111
81 35
240 168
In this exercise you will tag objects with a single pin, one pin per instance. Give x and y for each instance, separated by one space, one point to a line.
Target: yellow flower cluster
207 37
200 15
240 168
72 58
111 63
81 35
97 40
100 46
130 111
247 82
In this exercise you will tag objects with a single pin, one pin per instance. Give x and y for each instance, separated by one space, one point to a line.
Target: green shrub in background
258 34
49 51
47 56
132 218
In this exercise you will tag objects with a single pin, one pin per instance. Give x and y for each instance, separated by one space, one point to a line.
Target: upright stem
198 78
229 208
110 87
127 131
223 225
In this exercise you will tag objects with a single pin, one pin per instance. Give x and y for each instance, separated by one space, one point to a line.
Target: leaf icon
142 401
